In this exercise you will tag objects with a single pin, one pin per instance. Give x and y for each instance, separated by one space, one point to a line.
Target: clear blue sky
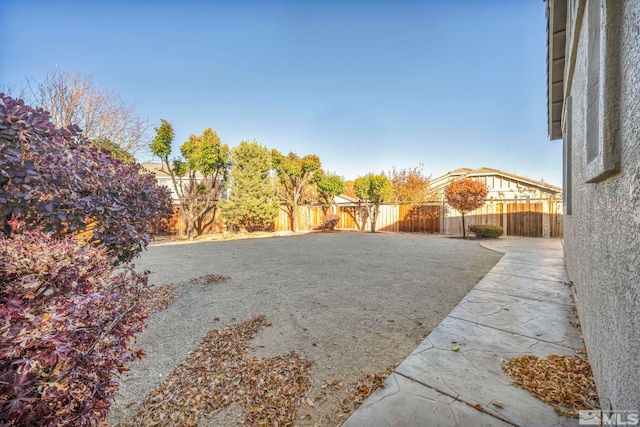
366 85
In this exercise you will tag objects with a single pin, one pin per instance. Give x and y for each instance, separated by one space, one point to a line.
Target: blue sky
366 85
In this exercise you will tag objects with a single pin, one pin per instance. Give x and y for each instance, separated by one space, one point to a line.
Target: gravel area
352 303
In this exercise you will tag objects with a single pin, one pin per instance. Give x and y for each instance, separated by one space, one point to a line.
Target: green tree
198 176
329 185
294 176
373 190
115 151
252 202
464 196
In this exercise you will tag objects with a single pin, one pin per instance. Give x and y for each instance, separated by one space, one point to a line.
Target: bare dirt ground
352 303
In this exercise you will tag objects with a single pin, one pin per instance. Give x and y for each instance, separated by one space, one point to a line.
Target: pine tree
252 203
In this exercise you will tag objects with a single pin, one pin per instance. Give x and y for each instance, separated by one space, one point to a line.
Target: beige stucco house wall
594 106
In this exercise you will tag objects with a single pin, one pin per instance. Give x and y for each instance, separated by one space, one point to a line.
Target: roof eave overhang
556 41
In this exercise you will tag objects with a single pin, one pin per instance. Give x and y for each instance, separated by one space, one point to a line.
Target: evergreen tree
252 202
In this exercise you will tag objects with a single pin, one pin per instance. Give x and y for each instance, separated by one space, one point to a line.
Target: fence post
505 218
546 224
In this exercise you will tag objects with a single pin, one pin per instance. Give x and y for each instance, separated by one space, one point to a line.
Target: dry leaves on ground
363 388
565 382
158 297
208 279
347 399
220 372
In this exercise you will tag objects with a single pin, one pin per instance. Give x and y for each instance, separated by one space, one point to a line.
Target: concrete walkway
522 306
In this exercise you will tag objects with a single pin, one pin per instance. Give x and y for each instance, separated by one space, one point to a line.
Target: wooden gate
524 219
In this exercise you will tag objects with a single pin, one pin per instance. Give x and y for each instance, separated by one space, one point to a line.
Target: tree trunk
294 218
191 225
374 218
464 230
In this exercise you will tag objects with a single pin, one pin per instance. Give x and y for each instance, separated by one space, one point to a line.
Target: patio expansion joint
524 297
456 398
511 332
526 277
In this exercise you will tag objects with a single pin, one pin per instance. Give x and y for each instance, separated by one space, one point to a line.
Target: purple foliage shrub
67 318
330 221
55 181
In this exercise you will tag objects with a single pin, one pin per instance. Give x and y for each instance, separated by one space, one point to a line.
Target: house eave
556 41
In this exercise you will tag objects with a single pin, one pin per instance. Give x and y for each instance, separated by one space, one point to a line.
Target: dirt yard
351 303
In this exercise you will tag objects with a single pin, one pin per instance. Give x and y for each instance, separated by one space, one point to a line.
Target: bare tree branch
100 113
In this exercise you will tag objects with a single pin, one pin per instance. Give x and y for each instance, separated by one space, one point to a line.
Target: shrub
67 318
487 231
330 222
54 180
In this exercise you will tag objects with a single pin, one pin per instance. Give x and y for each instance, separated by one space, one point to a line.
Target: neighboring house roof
160 171
444 180
155 168
344 200
556 41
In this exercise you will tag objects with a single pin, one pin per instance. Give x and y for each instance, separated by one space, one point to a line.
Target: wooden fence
205 225
518 217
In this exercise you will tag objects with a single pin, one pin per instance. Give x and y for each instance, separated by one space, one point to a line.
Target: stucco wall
602 236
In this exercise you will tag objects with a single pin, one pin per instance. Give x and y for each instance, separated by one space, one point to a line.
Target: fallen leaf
497 403
219 372
565 381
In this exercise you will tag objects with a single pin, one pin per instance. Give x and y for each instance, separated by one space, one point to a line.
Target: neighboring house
594 106
204 225
163 178
520 205
501 185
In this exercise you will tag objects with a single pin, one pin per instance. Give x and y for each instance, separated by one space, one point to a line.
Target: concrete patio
454 377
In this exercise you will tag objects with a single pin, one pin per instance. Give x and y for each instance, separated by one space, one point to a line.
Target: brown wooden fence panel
347 216
524 219
206 225
309 218
419 218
